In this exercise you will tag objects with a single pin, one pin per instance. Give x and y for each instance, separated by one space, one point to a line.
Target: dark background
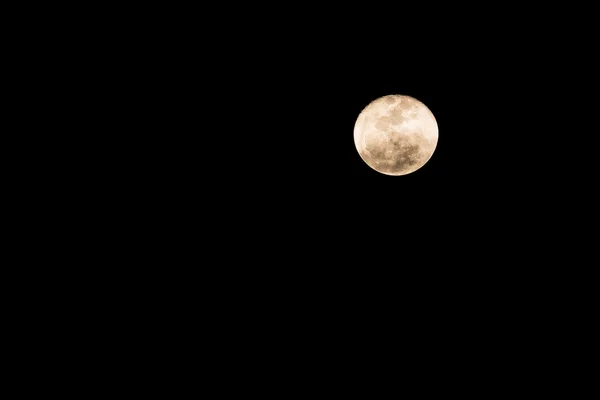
251 119
271 96
275 101
197 126
204 161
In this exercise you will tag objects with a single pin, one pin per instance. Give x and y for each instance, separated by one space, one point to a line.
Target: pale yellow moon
396 134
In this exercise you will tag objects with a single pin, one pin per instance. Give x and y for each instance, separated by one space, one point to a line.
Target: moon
396 134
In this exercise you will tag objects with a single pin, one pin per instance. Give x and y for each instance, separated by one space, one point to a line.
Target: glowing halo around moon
396 134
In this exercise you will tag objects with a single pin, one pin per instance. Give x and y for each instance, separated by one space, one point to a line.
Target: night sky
226 170
208 176
277 99
260 123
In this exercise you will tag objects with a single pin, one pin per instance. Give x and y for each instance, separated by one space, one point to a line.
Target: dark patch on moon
396 115
383 123
407 158
407 105
398 154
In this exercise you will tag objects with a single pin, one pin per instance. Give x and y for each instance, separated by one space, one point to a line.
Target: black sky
210 153
259 121
220 148
281 90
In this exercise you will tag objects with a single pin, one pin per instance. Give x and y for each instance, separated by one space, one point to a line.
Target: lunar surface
396 134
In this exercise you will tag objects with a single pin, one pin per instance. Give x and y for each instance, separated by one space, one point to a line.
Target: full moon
396 134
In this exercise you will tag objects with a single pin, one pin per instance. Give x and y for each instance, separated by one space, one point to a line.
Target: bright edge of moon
396 134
